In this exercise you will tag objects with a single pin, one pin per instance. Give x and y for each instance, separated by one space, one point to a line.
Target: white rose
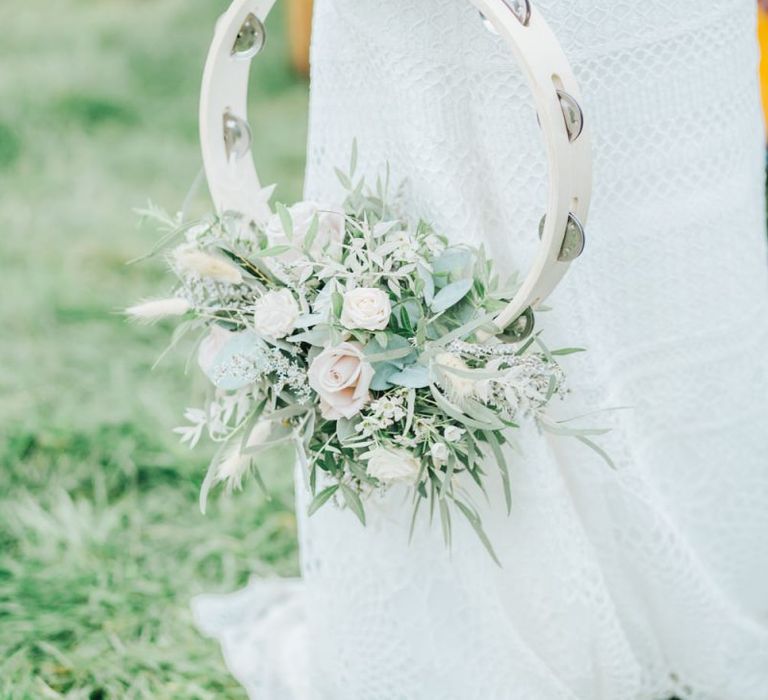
453 434
275 314
342 379
366 308
439 453
390 465
328 239
457 386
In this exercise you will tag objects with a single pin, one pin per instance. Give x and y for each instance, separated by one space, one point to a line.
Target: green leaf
456 413
429 283
445 521
345 430
493 441
309 239
260 481
452 260
353 159
353 502
285 220
383 371
477 526
413 377
414 515
322 498
389 355
465 330
451 295
600 451
318 337
448 476
337 302
343 179
567 351
272 252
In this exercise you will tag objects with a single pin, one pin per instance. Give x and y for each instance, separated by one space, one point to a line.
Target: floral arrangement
364 339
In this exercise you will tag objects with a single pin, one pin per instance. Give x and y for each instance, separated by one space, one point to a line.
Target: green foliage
102 543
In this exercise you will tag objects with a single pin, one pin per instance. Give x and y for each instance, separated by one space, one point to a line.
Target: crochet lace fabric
635 584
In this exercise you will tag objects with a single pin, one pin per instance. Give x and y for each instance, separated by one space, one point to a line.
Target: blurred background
102 543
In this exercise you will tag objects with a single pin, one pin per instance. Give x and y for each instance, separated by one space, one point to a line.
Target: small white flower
439 453
389 407
154 310
390 465
366 308
207 265
453 434
457 386
275 314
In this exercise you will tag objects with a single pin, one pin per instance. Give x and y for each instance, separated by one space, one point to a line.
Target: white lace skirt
629 585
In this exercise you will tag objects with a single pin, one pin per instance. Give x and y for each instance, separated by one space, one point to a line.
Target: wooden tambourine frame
234 183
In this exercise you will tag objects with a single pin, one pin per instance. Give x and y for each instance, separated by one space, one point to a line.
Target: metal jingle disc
574 241
250 39
520 9
521 328
237 136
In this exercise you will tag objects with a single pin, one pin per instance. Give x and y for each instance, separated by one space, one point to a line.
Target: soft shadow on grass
101 540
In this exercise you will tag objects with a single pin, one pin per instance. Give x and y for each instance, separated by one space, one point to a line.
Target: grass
101 540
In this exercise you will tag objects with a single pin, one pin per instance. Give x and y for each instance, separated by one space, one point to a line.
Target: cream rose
366 308
390 465
275 314
327 241
342 379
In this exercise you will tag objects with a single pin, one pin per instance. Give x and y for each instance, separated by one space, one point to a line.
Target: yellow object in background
762 32
300 29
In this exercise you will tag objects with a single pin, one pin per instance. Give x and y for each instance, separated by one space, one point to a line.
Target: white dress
638 584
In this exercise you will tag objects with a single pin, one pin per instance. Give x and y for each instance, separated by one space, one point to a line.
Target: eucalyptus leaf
382 372
451 295
389 355
413 377
429 283
452 260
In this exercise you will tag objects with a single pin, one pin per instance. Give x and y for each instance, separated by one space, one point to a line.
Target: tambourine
233 181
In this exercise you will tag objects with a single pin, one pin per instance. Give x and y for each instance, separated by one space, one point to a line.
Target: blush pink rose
342 379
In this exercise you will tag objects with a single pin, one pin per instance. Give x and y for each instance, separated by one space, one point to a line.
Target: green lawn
101 540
